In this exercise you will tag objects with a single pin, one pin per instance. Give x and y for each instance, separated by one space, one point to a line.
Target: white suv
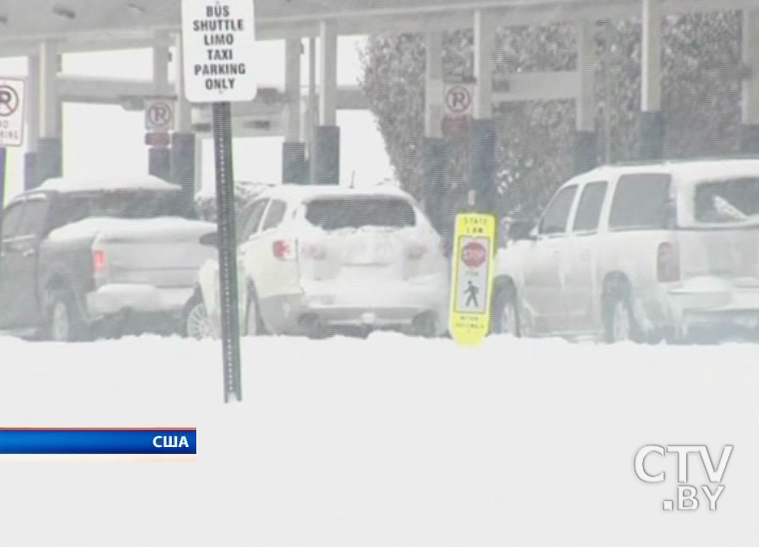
316 260
639 252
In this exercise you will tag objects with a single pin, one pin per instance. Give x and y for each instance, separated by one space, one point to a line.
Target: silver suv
640 252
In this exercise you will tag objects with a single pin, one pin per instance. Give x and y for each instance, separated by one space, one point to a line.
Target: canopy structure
82 25
42 30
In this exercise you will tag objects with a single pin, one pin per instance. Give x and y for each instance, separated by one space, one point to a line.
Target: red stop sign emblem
473 254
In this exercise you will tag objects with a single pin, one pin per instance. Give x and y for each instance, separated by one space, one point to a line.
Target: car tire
425 325
253 324
63 322
505 318
619 320
195 322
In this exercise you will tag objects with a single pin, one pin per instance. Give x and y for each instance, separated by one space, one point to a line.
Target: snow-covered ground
389 442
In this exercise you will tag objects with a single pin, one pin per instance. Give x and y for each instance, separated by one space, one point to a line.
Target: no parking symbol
159 115
9 101
458 100
12 92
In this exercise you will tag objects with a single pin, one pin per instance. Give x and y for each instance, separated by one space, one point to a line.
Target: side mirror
211 239
520 231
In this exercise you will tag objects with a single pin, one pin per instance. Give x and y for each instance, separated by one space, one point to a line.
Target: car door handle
27 253
585 253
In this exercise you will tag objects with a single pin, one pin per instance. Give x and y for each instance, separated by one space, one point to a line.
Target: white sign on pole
159 115
218 43
472 279
12 104
458 99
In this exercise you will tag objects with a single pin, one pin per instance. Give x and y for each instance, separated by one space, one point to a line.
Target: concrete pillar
294 168
184 146
483 186
312 111
159 157
750 91
586 137
435 192
48 162
32 121
327 134
652 128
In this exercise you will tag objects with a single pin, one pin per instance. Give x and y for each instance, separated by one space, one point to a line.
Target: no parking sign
12 95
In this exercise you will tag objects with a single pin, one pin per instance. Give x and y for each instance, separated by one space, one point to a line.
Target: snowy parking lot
389 441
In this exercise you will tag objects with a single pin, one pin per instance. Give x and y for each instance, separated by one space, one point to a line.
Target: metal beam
538 86
113 26
85 89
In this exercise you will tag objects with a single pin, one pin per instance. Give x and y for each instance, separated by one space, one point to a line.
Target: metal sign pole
225 214
3 164
218 66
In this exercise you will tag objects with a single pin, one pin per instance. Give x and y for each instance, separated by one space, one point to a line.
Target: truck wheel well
616 284
503 282
57 282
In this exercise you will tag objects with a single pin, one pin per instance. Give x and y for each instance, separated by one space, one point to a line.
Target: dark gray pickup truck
98 258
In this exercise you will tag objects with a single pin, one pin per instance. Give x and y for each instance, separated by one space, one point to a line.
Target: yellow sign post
472 278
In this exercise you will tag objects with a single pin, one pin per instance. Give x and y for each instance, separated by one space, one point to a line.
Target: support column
750 91
482 131
586 137
48 162
327 134
312 116
436 194
32 121
294 168
651 123
159 157
182 155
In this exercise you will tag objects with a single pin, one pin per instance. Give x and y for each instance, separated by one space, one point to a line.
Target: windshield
341 213
126 204
727 201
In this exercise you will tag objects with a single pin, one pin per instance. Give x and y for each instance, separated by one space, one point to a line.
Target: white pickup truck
638 252
99 257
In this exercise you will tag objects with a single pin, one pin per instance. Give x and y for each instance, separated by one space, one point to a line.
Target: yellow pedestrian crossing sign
472 277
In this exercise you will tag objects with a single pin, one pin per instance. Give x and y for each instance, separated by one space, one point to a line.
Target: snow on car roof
118 182
250 186
685 171
306 192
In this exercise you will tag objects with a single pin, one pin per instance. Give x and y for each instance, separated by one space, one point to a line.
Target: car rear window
727 201
642 202
126 204
340 213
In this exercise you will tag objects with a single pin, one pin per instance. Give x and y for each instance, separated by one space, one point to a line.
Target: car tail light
98 261
417 252
313 251
283 250
667 263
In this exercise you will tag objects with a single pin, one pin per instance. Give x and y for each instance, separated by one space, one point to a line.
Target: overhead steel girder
131 93
112 24
523 86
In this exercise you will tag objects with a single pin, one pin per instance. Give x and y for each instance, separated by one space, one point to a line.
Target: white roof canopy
83 25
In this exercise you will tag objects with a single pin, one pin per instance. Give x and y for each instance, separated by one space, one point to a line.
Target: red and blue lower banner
67 441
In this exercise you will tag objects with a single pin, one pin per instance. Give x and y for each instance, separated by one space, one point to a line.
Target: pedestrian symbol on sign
471 295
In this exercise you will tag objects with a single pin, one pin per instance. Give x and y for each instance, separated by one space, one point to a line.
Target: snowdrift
386 442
